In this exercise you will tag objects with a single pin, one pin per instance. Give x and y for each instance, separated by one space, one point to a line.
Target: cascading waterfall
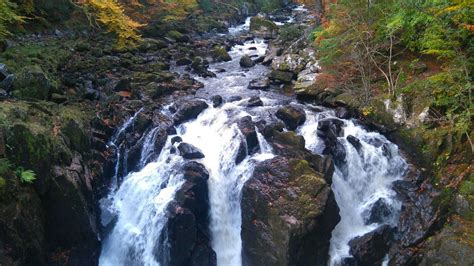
139 203
364 179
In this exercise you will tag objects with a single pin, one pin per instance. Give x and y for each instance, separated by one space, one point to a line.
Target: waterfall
139 205
358 184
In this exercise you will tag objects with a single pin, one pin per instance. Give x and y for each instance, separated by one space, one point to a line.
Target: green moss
256 23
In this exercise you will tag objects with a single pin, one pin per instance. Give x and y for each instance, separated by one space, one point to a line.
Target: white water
368 177
140 202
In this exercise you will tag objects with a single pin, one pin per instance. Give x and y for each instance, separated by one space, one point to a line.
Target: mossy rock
220 54
32 83
178 36
258 23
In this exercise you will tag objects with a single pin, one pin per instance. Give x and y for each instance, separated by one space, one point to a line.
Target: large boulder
247 127
371 248
185 239
288 214
292 116
289 62
188 151
220 54
189 110
246 61
32 83
262 27
259 84
281 76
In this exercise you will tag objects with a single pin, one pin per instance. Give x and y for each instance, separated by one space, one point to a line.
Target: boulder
262 27
288 213
32 83
220 54
200 66
290 63
354 142
216 101
247 127
246 61
292 116
371 248
281 76
259 84
190 152
7 83
189 110
254 101
379 212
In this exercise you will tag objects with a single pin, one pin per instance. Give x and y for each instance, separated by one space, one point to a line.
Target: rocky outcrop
262 27
371 248
188 110
288 209
185 239
292 116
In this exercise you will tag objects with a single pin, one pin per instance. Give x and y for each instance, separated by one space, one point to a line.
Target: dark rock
292 116
348 261
234 99
189 110
184 61
247 127
193 170
90 93
380 212
259 84
270 129
7 83
200 67
216 101
176 139
371 248
246 61
190 152
354 141
254 101
241 153
343 113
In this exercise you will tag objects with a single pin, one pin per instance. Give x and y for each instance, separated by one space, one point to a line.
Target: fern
26 176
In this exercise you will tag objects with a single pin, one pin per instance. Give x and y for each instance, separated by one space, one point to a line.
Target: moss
289 138
256 23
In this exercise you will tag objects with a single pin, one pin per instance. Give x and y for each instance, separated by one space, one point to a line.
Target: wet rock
281 76
272 52
200 67
288 213
343 113
348 261
185 239
254 101
216 101
246 61
90 92
3 72
354 142
7 83
247 127
379 212
219 54
190 152
234 99
183 61
189 110
176 139
329 130
259 84
371 248
241 153
292 116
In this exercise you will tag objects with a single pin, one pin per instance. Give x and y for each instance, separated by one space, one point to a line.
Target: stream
361 181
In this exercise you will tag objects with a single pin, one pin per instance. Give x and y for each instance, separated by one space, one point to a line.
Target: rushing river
140 200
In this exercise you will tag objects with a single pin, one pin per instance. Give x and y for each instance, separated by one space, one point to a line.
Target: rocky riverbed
194 149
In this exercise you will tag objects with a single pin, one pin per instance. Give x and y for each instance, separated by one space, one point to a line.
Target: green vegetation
422 49
8 16
26 176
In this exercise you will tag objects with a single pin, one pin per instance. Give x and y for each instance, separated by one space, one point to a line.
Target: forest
236 132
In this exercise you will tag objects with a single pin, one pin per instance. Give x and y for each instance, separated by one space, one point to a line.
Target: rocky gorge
203 149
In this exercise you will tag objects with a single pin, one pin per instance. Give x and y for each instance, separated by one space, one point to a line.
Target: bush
26 176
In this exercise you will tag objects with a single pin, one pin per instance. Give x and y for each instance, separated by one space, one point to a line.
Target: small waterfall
366 179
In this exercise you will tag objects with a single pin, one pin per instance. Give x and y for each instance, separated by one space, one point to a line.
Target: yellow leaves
112 15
